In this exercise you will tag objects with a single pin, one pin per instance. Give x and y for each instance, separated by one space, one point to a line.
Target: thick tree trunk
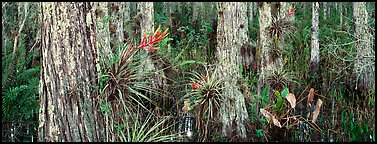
314 55
266 62
231 36
364 65
68 109
103 32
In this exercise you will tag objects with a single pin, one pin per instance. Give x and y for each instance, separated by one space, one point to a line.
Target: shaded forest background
282 71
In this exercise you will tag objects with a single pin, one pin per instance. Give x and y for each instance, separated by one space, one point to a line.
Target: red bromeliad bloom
156 37
148 44
291 11
194 86
197 86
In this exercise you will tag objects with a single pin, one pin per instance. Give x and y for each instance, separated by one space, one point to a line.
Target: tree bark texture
247 51
314 55
364 65
341 13
197 8
232 35
147 27
70 63
119 12
103 32
266 62
324 10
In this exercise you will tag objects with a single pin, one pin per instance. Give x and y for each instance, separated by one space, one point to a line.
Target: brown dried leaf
291 99
266 114
186 107
316 110
310 97
269 116
276 122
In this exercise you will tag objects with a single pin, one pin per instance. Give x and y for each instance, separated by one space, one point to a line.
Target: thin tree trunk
247 52
4 18
70 64
324 10
22 15
232 35
266 62
314 55
196 8
119 12
251 11
341 14
364 66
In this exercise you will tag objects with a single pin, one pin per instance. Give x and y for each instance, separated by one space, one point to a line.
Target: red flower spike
291 11
194 86
153 38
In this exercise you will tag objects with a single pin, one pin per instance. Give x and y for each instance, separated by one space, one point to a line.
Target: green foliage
259 132
149 130
20 88
265 99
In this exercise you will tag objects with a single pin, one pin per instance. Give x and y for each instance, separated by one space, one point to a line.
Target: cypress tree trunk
103 32
364 69
266 62
247 51
314 56
324 10
341 13
231 36
119 12
147 27
68 109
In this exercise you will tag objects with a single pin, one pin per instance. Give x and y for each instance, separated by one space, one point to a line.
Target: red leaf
194 86
291 11
151 48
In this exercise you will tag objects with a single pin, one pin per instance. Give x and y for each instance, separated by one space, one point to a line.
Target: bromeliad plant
121 89
122 72
205 99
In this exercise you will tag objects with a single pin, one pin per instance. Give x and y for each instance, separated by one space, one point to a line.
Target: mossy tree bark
231 36
147 27
120 13
103 32
70 62
324 10
314 55
364 64
266 62
248 52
